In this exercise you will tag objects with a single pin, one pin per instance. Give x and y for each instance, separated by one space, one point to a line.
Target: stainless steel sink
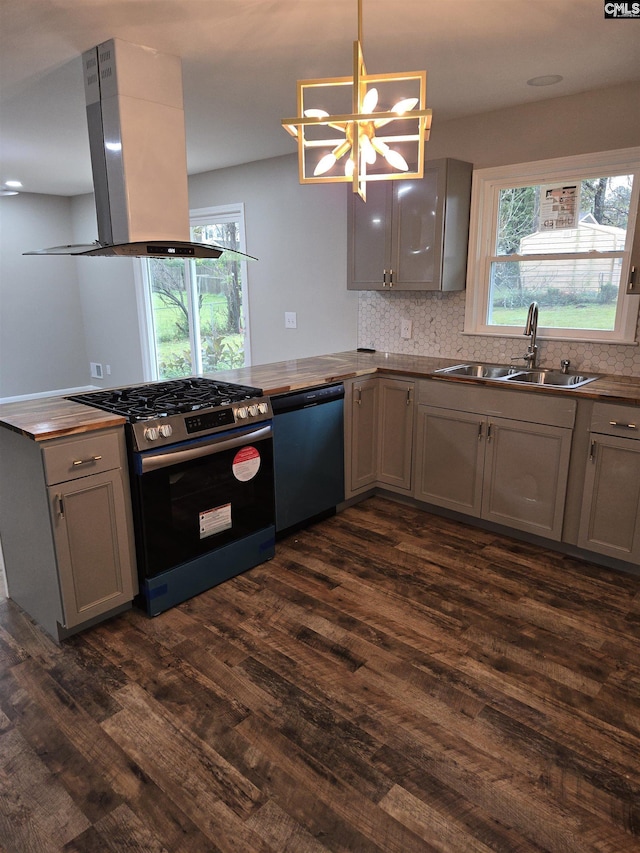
551 377
512 375
479 371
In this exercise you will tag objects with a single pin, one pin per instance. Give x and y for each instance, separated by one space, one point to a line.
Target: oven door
201 495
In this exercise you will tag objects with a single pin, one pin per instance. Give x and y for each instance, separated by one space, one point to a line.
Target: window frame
198 216
487 184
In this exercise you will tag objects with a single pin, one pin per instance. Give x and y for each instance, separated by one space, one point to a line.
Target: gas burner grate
163 399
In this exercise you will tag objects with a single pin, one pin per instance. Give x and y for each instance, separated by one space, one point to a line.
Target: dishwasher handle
294 400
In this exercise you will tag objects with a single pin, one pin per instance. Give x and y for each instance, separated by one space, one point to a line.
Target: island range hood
136 126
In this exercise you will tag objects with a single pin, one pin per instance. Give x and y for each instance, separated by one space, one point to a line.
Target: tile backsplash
438 323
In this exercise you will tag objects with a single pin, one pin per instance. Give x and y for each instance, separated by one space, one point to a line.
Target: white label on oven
215 520
246 464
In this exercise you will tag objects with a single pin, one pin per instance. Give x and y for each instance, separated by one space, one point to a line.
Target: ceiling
241 60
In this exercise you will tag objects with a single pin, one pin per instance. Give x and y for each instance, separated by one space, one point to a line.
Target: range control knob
241 412
263 408
253 410
151 433
166 430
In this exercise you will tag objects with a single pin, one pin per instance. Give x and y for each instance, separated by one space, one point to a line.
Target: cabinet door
525 478
92 545
364 434
610 519
417 232
369 238
450 454
396 433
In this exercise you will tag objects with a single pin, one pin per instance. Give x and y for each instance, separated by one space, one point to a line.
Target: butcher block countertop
54 417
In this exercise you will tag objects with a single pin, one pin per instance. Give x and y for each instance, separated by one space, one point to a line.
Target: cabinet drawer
67 459
611 419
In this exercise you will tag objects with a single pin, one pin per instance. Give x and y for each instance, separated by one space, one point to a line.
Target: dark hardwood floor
391 681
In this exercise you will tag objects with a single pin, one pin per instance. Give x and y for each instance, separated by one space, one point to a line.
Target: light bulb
316 113
349 168
369 101
325 164
368 151
396 160
404 106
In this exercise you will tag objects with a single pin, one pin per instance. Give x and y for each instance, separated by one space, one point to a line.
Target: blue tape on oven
150 594
267 545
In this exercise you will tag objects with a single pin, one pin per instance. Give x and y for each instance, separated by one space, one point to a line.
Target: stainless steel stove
202 482
162 413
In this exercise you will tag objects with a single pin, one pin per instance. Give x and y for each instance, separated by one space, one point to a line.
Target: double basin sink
513 375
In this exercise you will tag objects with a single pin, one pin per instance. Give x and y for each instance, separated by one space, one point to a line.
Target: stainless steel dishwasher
308 453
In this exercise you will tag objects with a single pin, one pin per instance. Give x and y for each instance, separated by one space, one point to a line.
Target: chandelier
362 152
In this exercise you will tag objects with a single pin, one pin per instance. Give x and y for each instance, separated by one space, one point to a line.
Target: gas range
176 410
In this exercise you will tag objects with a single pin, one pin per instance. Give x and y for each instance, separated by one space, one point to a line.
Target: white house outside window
195 311
558 232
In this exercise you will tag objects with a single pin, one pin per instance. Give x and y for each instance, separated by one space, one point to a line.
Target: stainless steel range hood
138 155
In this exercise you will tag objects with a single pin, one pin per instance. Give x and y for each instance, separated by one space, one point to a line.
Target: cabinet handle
592 451
489 432
88 461
408 396
359 398
480 430
390 278
60 506
384 278
622 424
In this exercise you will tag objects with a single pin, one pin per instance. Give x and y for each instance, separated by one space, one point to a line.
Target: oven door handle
174 457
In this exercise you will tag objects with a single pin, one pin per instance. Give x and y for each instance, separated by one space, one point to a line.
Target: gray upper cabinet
411 235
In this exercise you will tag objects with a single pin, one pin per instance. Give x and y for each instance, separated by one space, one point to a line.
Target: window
195 311
558 232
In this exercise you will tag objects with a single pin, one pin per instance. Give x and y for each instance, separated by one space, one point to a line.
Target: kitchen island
409 433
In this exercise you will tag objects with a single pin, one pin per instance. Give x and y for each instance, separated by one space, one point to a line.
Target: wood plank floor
391 681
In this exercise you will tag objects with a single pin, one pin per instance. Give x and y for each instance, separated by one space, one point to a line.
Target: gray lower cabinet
610 518
361 445
77 562
450 459
502 469
379 434
395 433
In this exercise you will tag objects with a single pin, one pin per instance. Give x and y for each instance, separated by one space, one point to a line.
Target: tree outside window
198 307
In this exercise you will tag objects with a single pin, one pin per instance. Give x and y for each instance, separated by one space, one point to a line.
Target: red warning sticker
246 464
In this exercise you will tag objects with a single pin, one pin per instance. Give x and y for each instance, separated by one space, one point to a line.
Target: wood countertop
53 417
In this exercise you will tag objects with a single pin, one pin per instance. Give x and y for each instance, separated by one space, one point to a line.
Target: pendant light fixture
362 153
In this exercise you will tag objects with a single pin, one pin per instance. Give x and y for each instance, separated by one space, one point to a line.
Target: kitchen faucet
531 329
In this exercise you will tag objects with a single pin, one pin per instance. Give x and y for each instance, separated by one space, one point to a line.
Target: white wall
298 233
42 343
108 304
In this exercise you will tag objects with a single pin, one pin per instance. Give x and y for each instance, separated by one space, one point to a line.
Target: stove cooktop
164 399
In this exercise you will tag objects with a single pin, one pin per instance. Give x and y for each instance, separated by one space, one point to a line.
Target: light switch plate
290 320
406 328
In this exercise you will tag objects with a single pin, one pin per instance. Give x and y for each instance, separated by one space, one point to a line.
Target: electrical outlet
96 370
290 320
406 328
107 367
